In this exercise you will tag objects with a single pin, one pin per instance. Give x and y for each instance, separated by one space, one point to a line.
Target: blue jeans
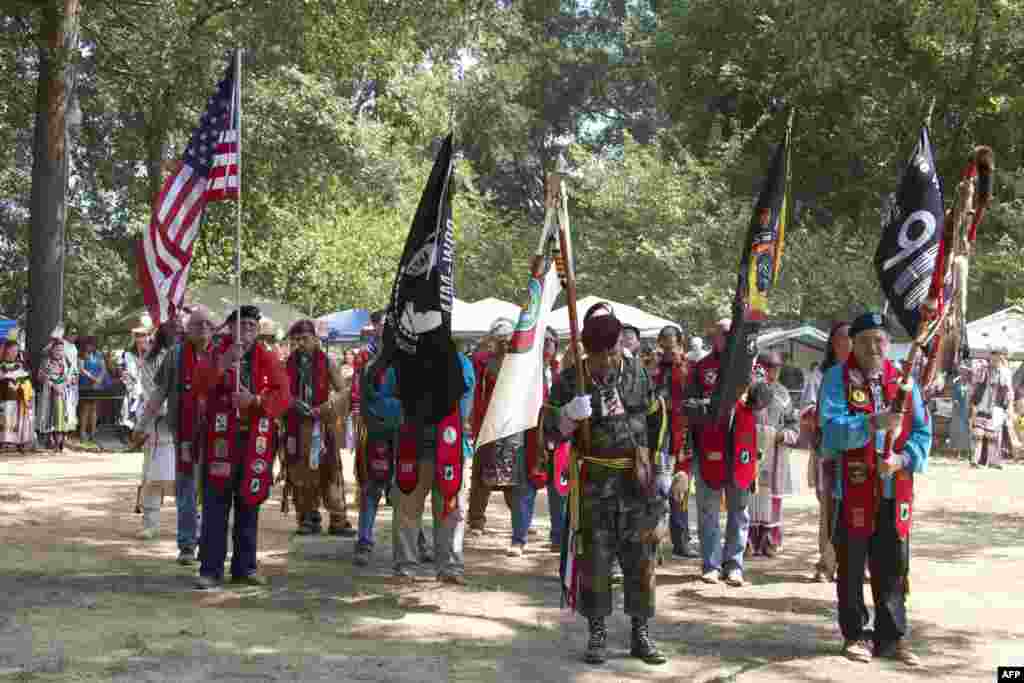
188 512
678 519
521 502
368 503
709 527
556 506
214 540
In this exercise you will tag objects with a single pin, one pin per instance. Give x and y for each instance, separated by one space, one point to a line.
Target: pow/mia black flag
911 230
418 328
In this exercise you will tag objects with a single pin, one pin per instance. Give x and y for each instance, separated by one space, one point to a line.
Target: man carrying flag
619 512
876 429
434 383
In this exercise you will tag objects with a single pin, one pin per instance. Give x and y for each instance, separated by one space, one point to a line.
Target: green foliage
665 112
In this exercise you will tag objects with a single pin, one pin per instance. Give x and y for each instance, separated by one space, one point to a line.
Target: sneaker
996 467
186 557
404 573
205 583
453 579
857 651
899 651
515 550
253 579
710 576
148 534
643 648
344 530
361 557
734 577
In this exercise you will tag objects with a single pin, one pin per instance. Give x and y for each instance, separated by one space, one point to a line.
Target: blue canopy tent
345 326
6 327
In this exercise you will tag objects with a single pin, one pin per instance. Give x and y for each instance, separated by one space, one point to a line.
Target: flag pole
238 218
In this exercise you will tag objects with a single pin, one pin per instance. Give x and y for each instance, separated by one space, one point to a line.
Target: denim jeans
556 507
368 503
188 512
678 519
217 507
709 526
522 500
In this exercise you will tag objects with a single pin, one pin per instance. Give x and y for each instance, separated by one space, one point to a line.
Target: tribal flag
519 392
758 273
418 327
207 172
911 231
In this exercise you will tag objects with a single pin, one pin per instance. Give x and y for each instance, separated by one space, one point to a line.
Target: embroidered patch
264 424
449 473
449 435
406 467
714 456
220 422
291 446
904 512
186 451
710 376
261 445
858 472
744 457
858 517
188 388
255 485
220 449
259 466
220 469
858 397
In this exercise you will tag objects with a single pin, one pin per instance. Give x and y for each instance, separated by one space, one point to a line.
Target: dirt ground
83 600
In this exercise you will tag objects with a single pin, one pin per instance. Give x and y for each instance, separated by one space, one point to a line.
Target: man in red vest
876 489
247 390
725 458
311 441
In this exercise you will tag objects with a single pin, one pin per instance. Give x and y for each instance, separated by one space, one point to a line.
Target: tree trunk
57 50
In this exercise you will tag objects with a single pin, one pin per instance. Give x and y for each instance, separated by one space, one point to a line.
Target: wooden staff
556 196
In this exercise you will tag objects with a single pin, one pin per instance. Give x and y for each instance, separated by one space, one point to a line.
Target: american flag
207 172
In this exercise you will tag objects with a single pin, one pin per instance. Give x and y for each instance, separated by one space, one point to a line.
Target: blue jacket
842 430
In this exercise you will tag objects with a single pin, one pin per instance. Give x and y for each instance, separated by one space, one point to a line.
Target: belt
611 463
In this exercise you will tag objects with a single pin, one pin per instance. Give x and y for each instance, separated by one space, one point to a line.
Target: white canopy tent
1003 328
496 308
649 325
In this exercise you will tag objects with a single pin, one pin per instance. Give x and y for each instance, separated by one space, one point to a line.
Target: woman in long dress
16 399
131 376
56 401
159 460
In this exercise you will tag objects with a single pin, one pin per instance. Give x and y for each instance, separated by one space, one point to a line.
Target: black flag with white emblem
418 328
911 230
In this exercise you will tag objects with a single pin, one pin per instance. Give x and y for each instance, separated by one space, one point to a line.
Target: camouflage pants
611 517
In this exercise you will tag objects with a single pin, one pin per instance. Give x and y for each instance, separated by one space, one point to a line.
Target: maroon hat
601 329
303 326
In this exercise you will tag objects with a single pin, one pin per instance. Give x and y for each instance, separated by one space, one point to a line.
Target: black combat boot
316 522
305 525
642 646
597 651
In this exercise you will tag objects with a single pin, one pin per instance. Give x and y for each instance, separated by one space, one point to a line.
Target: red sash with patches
711 438
379 459
448 461
222 456
188 411
744 446
407 472
862 486
294 448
